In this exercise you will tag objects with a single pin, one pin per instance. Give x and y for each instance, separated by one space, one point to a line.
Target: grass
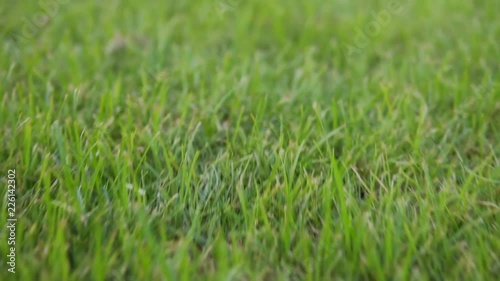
243 140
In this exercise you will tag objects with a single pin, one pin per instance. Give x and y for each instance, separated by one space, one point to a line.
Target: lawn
250 140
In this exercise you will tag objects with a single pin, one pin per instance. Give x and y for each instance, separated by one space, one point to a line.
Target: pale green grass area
237 140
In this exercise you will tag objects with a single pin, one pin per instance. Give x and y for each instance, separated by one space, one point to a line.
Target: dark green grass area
251 140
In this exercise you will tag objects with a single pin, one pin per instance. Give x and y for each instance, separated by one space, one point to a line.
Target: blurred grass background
236 140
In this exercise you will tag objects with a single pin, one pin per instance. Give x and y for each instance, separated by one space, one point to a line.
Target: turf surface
251 140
